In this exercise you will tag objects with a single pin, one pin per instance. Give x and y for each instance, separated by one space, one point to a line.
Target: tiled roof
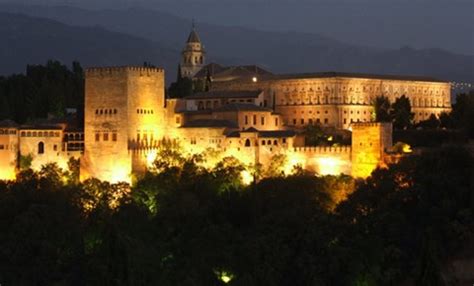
264 134
225 94
241 107
217 71
209 123
277 134
211 68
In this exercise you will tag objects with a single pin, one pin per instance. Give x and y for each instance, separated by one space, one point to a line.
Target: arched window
77 137
263 142
201 60
275 142
41 148
247 143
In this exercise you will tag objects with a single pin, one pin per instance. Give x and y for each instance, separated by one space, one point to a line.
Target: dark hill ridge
29 40
279 52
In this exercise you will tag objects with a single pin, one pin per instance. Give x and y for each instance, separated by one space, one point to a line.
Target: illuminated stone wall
336 101
53 150
8 153
124 111
369 142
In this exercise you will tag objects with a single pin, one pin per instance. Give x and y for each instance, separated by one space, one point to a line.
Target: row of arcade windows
145 111
105 111
7 131
39 134
105 136
265 142
310 121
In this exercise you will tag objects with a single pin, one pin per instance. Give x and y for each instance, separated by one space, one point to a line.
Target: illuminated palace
248 112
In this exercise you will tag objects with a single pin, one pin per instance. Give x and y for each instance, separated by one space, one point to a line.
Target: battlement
323 150
102 71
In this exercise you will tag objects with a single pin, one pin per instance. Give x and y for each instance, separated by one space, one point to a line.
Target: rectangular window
345 120
255 120
311 121
97 137
302 121
276 121
178 120
326 121
246 120
55 147
106 136
262 120
114 137
294 121
2 147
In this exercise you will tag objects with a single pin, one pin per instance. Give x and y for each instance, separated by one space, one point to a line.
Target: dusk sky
445 24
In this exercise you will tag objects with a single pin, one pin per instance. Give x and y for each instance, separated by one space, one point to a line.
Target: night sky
445 24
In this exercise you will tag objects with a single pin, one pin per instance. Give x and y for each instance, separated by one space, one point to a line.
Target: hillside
283 52
29 40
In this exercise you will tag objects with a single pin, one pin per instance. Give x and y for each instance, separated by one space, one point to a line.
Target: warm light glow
294 159
7 174
246 177
224 276
254 79
329 166
150 158
120 174
406 148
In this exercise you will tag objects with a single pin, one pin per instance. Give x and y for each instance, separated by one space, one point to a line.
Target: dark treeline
42 92
186 225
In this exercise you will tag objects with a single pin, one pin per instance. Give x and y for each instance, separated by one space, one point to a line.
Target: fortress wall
106 89
369 142
8 155
146 103
326 160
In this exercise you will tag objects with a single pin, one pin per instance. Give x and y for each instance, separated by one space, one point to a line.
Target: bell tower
193 56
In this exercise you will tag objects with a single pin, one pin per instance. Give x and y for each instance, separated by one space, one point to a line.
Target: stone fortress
249 113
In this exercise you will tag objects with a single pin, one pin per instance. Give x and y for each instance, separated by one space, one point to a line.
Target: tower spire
193 54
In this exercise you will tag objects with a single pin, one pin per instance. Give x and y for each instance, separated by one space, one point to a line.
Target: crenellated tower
193 56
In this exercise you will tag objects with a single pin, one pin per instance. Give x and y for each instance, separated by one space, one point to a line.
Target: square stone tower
124 111
369 142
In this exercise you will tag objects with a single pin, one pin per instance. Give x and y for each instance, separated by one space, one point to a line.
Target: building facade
249 113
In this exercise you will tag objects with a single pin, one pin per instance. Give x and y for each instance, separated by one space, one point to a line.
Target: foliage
431 123
316 136
401 114
382 109
42 91
188 225
463 113
25 161
182 87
